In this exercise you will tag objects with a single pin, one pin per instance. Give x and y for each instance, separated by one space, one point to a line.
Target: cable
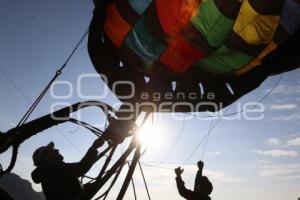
105 194
144 179
175 142
91 128
29 100
207 138
133 187
219 119
56 75
199 144
149 164
165 163
270 91
37 101
75 49
15 85
214 126
156 166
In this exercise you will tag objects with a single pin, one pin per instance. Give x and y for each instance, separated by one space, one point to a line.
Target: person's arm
183 191
200 165
80 168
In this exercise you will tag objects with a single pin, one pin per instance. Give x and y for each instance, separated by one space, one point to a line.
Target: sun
150 136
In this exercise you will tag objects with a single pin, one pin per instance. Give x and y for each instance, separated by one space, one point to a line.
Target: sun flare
150 136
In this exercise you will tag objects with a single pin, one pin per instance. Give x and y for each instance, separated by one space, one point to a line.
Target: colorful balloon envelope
188 52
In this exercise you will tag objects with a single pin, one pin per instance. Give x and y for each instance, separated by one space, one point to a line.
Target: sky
245 159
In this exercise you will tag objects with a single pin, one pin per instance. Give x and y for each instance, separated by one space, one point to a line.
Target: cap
37 155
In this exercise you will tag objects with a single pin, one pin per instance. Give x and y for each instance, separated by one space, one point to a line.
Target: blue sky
245 159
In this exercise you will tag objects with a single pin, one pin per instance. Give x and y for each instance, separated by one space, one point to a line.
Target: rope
145 182
133 187
156 166
30 101
175 142
105 194
12 161
91 128
165 163
15 85
107 161
219 119
37 101
207 138
88 177
202 140
56 75
148 164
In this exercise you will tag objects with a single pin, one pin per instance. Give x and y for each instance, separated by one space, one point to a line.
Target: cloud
274 141
279 170
292 117
217 153
293 142
222 177
281 107
295 177
277 153
285 89
165 171
214 176
13 124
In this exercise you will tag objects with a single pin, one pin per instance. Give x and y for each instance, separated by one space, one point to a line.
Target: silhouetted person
202 187
59 179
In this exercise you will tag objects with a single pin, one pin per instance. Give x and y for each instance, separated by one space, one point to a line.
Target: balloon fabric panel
174 15
253 27
212 42
143 43
115 26
225 60
218 36
212 24
257 61
180 56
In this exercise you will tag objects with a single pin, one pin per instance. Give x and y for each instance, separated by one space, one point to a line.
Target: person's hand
178 171
200 165
98 143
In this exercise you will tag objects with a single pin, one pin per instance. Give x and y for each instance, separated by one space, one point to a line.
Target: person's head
204 186
46 154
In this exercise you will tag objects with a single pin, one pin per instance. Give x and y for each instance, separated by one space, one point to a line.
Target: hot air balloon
189 52
175 56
